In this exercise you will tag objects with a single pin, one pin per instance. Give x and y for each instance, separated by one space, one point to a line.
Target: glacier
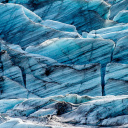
63 63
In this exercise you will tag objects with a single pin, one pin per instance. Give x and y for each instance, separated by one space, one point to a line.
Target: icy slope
65 111
42 76
63 64
80 14
21 26
76 51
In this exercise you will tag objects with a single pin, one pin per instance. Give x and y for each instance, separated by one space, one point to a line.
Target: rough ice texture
122 17
43 76
61 11
75 112
119 6
23 27
57 59
76 51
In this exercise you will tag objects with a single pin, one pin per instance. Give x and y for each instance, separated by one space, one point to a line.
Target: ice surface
41 112
41 76
20 26
122 17
63 64
76 51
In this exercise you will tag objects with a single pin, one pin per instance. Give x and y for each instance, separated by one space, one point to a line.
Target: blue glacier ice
21 26
62 12
75 51
63 63
122 17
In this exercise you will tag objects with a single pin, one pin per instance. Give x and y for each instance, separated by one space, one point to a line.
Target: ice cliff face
20 26
63 63
61 11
